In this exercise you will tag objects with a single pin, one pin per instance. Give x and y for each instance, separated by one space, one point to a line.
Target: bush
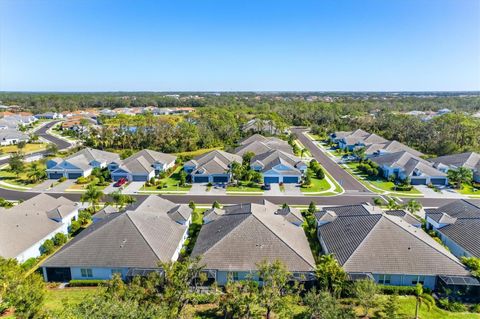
203 299
59 239
28 264
320 173
85 282
452 306
399 290
403 188
82 180
62 179
47 247
476 308
74 227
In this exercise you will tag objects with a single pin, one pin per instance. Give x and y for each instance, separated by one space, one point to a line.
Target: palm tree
35 173
92 196
413 206
302 152
392 204
460 175
422 298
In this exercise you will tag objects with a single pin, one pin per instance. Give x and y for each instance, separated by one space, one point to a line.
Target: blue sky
225 45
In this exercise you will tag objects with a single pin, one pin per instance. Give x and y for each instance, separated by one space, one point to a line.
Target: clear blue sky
217 45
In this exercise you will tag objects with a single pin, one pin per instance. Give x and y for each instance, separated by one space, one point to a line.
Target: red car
120 182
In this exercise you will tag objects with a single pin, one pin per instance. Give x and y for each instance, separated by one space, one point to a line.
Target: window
116 271
384 279
418 280
86 272
233 275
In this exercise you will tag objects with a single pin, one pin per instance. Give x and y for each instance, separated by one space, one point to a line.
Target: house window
384 279
86 272
233 275
418 280
116 271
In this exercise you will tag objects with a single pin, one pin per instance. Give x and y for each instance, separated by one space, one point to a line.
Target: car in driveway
266 187
122 181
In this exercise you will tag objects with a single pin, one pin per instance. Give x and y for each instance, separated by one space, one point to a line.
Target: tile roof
244 235
408 162
214 162
469 160
139 238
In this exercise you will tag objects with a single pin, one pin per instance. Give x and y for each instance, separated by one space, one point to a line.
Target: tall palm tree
392 204
302 152
413 207
35 173
460 175
422 298
92 196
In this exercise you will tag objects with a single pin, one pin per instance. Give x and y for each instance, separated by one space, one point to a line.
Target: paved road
348 182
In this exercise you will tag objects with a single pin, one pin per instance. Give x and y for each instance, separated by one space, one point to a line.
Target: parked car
266 187
120 182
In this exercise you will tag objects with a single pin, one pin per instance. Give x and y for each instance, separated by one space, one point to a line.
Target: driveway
60 188
292 190
44 185
443 193
133 187
274 191
198 189
110 189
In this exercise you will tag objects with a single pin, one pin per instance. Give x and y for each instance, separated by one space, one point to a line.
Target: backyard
22 179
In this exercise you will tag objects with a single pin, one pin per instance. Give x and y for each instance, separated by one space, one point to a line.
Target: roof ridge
445 253
365 238
283 241
141 234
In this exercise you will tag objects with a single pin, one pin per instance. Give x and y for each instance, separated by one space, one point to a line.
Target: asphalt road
42 132
348 182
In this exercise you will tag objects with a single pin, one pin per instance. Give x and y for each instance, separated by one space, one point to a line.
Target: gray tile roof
382 243
408 162
457 209
259 147
469 160
244 235
270 159
27 223
152 157
82 159
214 162
139 238
391 147
405 216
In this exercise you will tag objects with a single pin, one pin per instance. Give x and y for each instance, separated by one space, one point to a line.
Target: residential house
161 111
28 225
213 167
129 243
49 115
470 160
458 226
261 126
234 240
81 164
405 165
388 148
12 137
359 138
258 144
384 247
143 165
279 167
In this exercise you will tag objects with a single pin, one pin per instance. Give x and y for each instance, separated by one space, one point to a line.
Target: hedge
400 290
85 282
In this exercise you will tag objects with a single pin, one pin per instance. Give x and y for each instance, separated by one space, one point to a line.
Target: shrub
47 247
452 306
320 173
59 239
404 188
400 290
74 227
62 179
82 180
28 264
85 282
476 308
203 299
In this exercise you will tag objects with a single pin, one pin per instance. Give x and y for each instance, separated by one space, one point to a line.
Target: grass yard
56 297
171 183
242 187
378 182
197 152
317 185
83 187
29 148
22 179
469 190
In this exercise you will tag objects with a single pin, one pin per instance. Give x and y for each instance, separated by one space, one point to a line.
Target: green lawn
56 297
469 190
244 188
171 183
8 176
29 148
198 152
316 186
378 182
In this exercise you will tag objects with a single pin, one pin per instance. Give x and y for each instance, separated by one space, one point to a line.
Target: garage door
200 179
290 179
220 179
418 181
116 177
270 180
438 181
59 274
74 175
139 178
55 175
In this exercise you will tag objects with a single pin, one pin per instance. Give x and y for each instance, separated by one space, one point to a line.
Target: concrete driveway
274 190
133 187
443 193
44 185
292 190
110 189
60 188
